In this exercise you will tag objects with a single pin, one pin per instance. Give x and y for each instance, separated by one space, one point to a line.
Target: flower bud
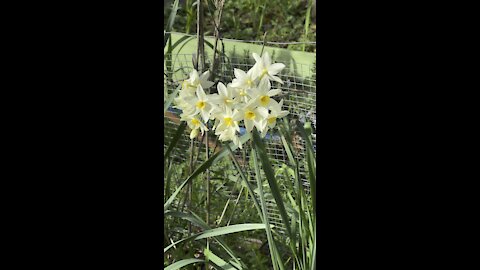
194 133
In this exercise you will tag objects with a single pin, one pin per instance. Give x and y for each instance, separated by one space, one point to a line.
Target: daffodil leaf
183 263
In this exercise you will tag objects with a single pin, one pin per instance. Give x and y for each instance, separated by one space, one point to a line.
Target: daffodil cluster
248 99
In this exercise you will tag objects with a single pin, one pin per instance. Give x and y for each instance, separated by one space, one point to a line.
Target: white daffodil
252 115
243 80
195 80
230 135
262 94
275 112
264 67
225 96
226 127
181 100
195 124
202 104
226 121
241 95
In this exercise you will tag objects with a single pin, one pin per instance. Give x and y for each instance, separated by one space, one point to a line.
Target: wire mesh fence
298 93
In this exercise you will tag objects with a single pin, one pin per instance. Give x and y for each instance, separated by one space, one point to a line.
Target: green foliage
283 20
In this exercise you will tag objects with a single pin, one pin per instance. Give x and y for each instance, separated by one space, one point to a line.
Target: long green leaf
179 41
171 19
169 173
231 229
276 259
182 263
217 260
314 256
287 146
272 182
183 39
311 163
180 241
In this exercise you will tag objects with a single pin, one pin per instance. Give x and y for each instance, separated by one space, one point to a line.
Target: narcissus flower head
248 99
264 67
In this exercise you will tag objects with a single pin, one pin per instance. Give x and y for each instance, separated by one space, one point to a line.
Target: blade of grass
171 19
232 229
168 180
235 205
177 43
180 241
314 256
217 260
307 20
183 263
223 212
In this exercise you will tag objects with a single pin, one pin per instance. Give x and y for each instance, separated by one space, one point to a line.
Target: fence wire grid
298 93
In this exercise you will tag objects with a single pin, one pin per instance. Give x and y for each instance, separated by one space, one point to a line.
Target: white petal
252 103
207 84
200 93
257 57
237 116
264 85
252 92
205 115
275 68
236 83
262 111
221 127
194 75
205 75
274 105
261 125
282 114
249 125
215 98
266 59
274 92
275 78
256 71
239 74
222 89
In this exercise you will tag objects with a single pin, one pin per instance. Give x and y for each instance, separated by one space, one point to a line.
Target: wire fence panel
298 93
